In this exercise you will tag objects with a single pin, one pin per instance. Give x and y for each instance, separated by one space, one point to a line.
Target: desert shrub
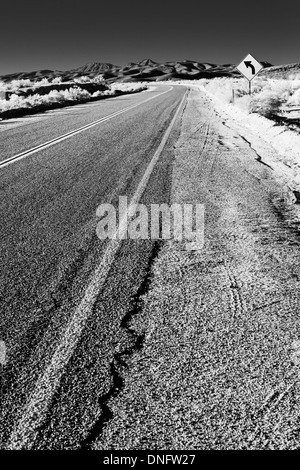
42 82
128 87
74 93
14 102
266 103
294 99
222 88
56 81
98 79
108 92
100 93
55 96
83 79
294 76
268 95
14 85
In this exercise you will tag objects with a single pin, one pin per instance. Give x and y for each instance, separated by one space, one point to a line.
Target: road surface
219 367
50 251
157 347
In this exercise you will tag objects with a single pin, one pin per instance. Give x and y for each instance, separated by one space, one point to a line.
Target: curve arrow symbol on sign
248 64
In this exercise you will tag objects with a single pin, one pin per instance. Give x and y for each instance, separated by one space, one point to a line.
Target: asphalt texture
182 349
50 249
219 366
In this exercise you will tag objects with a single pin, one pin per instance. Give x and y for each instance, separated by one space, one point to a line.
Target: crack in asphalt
259 307
259 158
119 362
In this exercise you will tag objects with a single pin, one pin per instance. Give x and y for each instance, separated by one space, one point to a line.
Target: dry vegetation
74 93
270 97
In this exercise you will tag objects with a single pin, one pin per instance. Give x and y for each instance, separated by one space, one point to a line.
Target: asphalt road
50 252
219 366
156 347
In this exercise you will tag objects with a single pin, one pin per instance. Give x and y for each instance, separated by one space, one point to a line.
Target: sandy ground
219 368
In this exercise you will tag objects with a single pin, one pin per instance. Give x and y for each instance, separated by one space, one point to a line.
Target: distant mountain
149 70
96 67
147 63
282 71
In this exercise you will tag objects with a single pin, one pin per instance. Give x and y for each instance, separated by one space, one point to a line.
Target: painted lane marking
70 134
35 412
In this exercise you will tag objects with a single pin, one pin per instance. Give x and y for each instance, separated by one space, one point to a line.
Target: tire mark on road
235 291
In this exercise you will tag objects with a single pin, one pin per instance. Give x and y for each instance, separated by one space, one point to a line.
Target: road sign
249 67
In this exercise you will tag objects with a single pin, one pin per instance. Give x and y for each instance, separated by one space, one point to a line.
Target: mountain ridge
149 70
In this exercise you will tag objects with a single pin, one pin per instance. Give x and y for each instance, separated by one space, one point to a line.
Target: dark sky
64 34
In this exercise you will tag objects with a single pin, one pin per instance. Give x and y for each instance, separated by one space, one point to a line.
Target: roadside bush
99 79
56 81
83 79
266 103
74 93
268 97
294 100
128 87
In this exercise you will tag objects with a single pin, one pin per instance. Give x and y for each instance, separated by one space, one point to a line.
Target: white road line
39 402
68 135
